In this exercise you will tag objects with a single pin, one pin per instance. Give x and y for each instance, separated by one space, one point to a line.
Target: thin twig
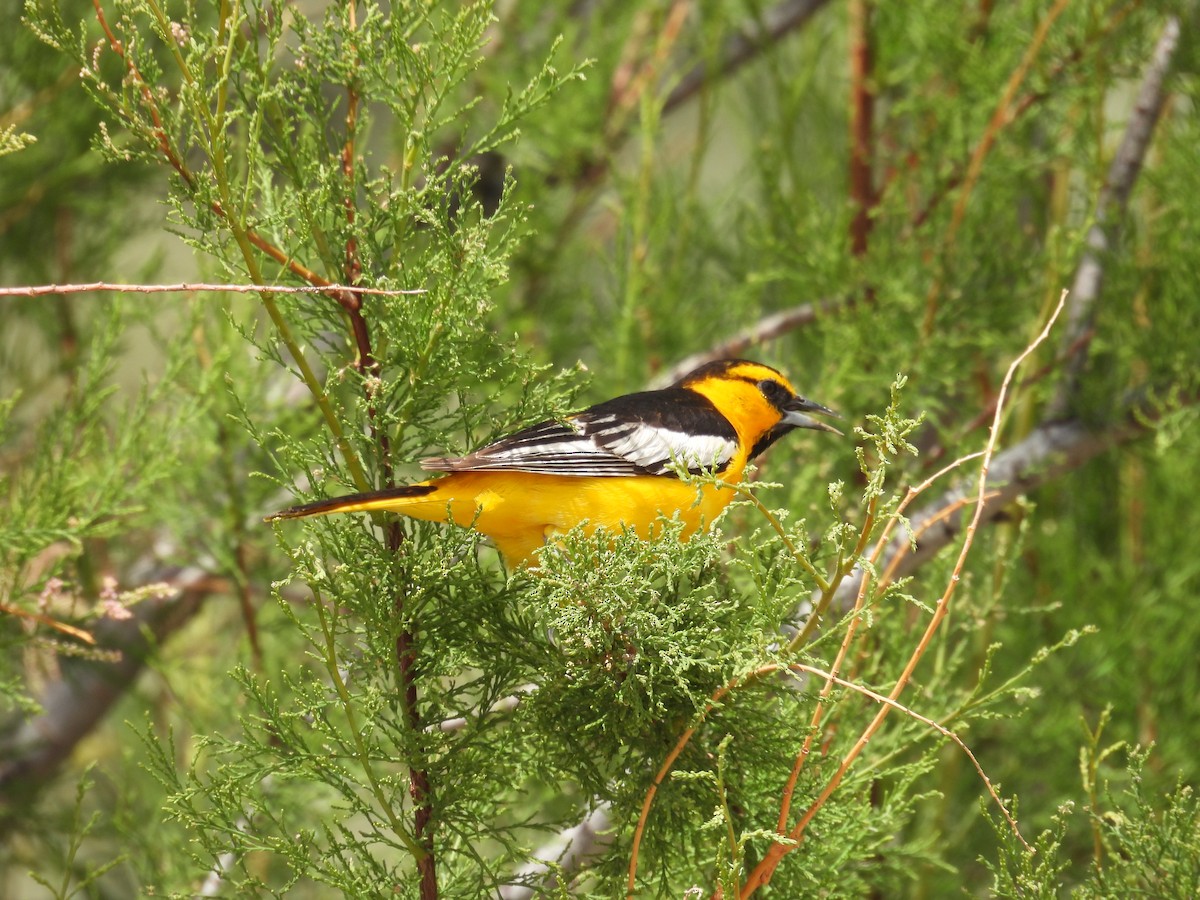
632 78
49 621
40 290
941 729
889 574
861 585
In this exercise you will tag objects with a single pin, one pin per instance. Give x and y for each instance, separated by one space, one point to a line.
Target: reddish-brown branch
862 114
419 787
1002 115
369 367
365 361
636 71
246 602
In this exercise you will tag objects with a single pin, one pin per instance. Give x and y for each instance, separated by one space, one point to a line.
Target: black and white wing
651 433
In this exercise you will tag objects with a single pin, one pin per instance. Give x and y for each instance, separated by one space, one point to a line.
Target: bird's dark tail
392 498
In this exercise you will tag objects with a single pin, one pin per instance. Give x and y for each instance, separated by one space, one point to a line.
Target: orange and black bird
617 464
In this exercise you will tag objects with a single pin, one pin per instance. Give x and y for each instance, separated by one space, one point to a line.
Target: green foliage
1143 847
360 704
72 883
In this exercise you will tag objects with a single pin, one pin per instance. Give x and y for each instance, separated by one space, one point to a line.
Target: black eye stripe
775 392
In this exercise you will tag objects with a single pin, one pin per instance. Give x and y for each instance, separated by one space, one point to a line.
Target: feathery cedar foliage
561 203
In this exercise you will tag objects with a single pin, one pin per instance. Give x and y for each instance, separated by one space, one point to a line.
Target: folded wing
653 433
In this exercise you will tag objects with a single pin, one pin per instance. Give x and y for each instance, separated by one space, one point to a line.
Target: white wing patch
657 449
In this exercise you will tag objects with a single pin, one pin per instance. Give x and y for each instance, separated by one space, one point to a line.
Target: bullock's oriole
615 464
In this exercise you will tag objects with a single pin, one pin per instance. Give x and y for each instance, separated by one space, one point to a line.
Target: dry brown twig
49 621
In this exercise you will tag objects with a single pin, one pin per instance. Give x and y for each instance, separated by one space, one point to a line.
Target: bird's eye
775 392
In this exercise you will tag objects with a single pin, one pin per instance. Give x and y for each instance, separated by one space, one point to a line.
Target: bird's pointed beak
794 415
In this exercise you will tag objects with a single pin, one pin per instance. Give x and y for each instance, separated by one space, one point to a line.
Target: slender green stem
360 747
723 799
843 568
357 473
783 536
